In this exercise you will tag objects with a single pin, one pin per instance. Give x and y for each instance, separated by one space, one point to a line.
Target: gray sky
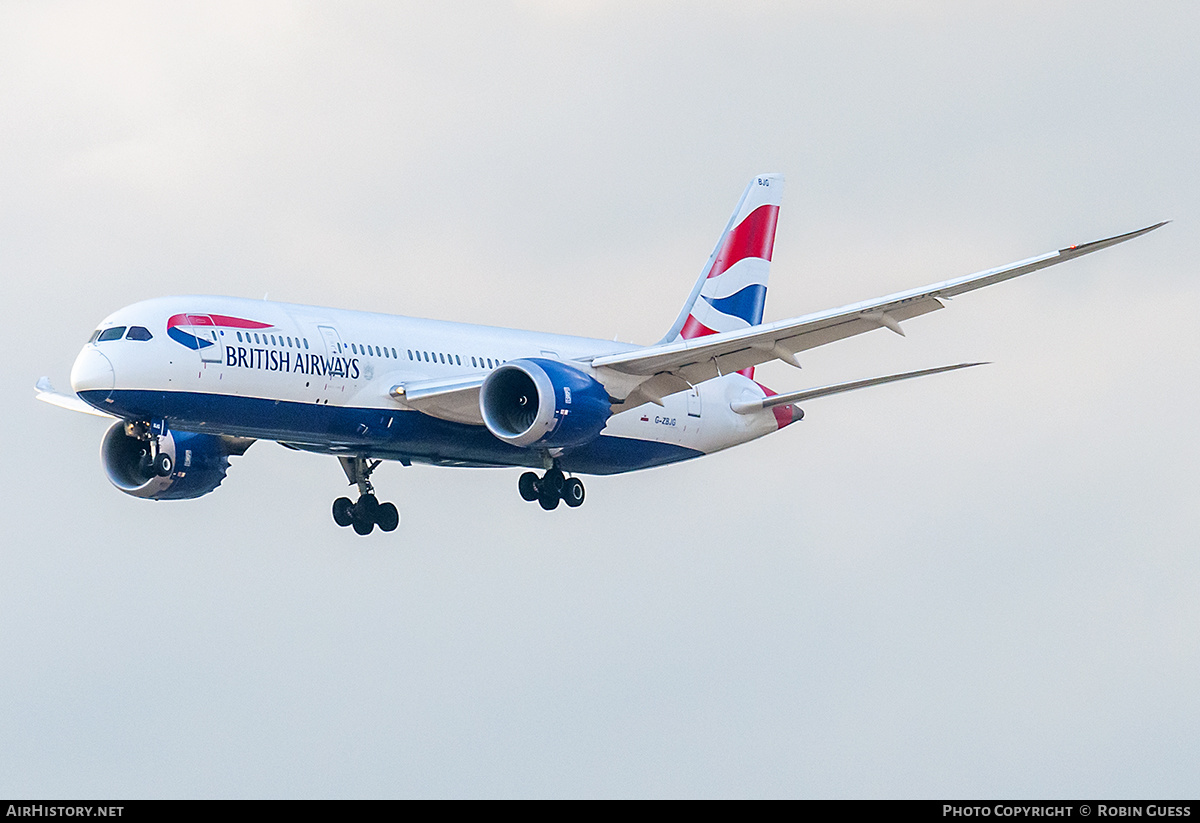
978 584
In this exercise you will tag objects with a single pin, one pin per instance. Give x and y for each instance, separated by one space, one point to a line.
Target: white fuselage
322 379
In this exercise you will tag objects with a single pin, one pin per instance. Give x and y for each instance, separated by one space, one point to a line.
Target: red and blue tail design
732 288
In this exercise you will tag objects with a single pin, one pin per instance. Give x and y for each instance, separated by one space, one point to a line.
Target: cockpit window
95 334
138 333
115 333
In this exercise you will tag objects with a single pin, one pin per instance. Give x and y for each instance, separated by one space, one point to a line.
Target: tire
572 493
528 486
163 464
552 483
549 503
387 516
343 511
362 516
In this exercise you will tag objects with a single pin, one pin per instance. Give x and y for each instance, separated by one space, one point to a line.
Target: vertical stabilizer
732 288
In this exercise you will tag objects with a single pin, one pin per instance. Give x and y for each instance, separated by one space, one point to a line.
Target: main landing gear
550 488
367 512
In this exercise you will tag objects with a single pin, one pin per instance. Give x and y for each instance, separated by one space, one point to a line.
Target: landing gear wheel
549 503
552 483
163 464
528 486
367 512
387 517
343 511
363 515
572 492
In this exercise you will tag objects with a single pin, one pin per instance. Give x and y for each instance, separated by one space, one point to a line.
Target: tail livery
732 289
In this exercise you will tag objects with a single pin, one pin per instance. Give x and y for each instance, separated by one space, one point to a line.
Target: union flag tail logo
732 288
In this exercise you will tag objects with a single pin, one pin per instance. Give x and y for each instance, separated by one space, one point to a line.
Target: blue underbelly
393 435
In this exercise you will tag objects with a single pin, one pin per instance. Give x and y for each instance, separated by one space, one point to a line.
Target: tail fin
732 288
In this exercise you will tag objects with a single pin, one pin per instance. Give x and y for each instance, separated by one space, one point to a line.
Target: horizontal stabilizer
752 406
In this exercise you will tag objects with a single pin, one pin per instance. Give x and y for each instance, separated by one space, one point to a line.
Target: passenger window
306 342
396 356
114 333
138 333
353 349
256 338
272 340
409 353
443 357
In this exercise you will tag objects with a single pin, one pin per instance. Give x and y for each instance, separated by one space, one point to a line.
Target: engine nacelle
544 403
199 462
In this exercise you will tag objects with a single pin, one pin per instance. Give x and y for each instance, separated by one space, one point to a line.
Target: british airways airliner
192 381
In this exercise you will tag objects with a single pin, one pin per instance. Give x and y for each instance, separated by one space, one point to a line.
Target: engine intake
199 463
545 403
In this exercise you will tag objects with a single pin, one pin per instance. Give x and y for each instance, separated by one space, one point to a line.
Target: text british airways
304 363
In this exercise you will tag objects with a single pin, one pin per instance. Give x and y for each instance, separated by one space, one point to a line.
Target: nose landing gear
154 460
367 512
551 488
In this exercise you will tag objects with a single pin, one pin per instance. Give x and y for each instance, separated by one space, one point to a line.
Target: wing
454 399
47 394
651 373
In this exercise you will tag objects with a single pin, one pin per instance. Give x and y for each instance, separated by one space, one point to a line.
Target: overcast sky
976 584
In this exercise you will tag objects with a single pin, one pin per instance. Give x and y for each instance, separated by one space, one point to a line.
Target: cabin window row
452 359
290 342
374 351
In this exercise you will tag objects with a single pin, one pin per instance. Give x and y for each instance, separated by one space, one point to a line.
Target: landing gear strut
551 488
153 459
367 512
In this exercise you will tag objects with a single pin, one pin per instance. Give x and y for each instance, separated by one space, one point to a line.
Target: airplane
192 381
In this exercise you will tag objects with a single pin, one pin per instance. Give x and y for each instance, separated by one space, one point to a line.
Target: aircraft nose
92 374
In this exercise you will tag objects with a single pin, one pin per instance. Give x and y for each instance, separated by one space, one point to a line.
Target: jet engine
543 403
197 466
